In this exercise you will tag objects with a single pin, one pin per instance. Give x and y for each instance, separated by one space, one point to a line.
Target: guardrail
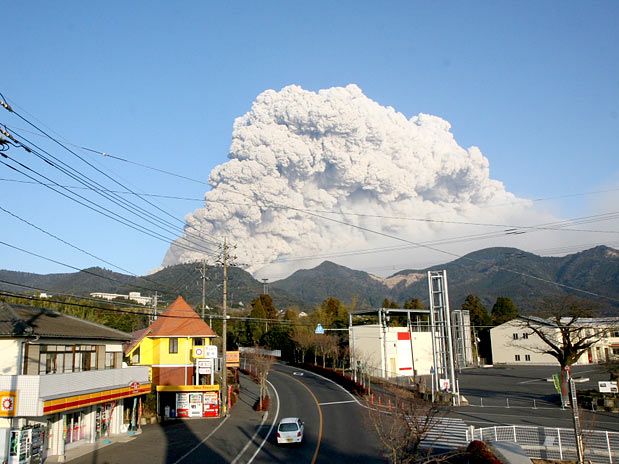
554 443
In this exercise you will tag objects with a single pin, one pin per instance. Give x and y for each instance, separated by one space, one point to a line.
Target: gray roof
26 321
580 321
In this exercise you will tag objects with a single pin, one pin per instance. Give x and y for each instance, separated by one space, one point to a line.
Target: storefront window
74 427
102 419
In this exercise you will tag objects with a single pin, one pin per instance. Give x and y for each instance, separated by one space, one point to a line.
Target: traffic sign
319 330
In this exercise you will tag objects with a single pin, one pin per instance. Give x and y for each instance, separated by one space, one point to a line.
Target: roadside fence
601 447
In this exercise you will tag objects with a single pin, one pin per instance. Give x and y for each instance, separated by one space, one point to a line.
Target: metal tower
442 339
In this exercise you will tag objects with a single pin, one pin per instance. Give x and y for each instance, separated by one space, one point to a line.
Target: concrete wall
10 356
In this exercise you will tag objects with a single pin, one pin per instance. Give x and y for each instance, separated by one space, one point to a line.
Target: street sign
210 351
319 330
607 387
205 366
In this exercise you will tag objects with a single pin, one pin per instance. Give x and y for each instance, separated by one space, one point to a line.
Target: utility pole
202 271
224 338
265 286
153 315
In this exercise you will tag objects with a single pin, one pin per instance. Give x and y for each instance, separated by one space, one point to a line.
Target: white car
290 430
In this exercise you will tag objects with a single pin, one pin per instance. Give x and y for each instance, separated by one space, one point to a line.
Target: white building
388 349
513 343
134 296
62 383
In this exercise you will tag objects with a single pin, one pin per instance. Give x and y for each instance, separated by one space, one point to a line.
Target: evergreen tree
413 303
504 310
478 312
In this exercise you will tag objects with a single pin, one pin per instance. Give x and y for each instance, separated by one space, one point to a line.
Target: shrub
480 453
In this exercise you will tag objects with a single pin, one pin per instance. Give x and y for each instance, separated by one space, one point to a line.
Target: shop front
188 401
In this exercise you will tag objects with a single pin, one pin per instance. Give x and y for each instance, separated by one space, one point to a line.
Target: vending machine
211 404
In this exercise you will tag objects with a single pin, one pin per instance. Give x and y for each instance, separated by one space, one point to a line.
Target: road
335 430
523 396
336 426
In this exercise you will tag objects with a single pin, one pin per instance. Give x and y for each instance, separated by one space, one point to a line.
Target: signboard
444 384
207 351
205 366
608 387
195 404
135 386
211 351
211 404
182 404
8 403
232 359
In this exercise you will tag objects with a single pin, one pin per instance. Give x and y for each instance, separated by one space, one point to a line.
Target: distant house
62 383
512 343
179 351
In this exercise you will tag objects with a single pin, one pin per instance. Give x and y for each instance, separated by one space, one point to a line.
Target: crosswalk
448 433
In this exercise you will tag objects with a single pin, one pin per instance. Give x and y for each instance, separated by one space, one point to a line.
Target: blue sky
534 84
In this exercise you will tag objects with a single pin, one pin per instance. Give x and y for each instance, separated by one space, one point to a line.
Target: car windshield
288 427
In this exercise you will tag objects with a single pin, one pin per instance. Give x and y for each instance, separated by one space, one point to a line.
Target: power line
120 192
105 193
88 203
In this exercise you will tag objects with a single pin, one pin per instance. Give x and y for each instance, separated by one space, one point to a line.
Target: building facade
179 351
62 383
513 343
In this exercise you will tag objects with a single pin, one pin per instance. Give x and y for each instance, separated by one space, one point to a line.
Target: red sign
135 386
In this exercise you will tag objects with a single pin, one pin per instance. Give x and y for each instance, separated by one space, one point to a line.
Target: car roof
287 420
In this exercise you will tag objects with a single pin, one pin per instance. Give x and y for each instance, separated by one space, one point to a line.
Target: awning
187 388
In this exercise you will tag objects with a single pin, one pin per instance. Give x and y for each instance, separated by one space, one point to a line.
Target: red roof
179 320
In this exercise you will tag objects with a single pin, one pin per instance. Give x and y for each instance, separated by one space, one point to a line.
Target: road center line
336 402
319 419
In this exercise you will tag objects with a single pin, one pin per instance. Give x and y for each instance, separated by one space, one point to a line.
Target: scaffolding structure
444 374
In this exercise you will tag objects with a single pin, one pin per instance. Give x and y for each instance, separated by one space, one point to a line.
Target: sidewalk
241 417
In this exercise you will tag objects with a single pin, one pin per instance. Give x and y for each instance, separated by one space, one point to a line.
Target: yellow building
179 351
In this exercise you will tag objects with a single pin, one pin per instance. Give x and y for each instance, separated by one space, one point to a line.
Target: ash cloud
337 150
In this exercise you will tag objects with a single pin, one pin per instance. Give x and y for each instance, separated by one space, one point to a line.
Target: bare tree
261 361
566 330
303 338
402 426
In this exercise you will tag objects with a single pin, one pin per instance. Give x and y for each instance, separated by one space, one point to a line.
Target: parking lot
522 386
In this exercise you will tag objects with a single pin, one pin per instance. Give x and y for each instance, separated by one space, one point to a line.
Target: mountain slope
488 273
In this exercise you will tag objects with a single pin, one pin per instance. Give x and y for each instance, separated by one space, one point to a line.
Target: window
135 357
58 359
515 336
525 336
615 333
517 357
110 360
527 357
198 341
173 348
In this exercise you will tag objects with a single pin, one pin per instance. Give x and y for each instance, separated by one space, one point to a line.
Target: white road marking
272 425
202 442
251 440
533 381
336 402
334 383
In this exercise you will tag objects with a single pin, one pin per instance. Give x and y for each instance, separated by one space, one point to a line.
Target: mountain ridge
488 273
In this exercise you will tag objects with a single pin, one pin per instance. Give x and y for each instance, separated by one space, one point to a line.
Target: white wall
368 346
9 356
505 348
